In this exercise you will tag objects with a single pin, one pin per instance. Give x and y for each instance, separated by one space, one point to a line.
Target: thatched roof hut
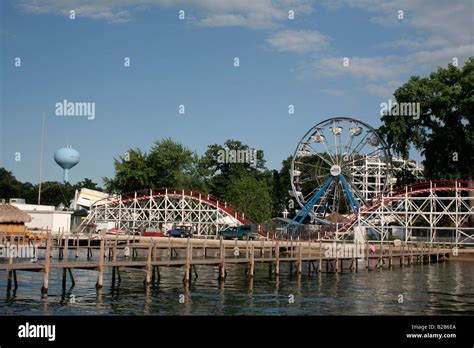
12 219
11 214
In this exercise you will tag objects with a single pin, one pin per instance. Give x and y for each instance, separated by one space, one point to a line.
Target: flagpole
41 162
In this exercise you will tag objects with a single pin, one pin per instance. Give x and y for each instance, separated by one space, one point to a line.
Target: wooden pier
149 254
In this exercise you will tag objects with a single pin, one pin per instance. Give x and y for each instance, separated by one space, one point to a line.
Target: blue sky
190 62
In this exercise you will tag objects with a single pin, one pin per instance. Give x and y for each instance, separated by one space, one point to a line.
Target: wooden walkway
149 254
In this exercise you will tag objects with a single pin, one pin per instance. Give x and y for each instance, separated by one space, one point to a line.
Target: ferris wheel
321 172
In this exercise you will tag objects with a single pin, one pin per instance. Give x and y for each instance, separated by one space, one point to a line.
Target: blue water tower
67 158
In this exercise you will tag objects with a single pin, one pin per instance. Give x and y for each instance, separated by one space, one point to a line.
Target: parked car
152 232
180 232
238 232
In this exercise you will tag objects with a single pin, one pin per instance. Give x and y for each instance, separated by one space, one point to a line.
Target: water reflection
428 289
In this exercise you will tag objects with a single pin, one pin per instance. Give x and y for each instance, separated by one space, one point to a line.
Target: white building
46 217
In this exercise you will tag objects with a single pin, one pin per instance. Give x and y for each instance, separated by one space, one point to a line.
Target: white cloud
440 31
444 22
212 13
381 75
367 68
99 10
299 41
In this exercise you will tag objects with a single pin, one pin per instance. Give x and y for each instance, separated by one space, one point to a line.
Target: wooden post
114 250
343 255
353 258
357 259
9 282
169 247
133 248
402 257
101 262
187 264
15 280
422 253
148 266
235 245
320 257
252 261
300 259
113 276
222 257
390 260
380 260
77 246
158 274
277 257
10 256
66 248
47 263
71 276
204 252
429 252
247 247
367 256
89 250
11 273
60 245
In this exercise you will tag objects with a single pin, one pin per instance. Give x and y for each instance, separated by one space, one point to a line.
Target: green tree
172 164
9 186
132 173
169 164
219 165
29 192
281 186
444 131
251 196
55 193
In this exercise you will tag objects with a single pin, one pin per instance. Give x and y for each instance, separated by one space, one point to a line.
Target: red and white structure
163 209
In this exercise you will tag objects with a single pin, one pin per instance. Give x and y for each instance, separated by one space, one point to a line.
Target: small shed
12 219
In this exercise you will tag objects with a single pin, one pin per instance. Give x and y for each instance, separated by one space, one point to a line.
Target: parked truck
238 232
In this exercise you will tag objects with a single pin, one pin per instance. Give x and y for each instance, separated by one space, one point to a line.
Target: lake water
444 288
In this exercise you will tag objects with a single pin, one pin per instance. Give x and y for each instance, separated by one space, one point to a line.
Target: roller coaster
162 209
342 178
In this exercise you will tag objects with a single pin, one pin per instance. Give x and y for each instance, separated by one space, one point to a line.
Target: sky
190 62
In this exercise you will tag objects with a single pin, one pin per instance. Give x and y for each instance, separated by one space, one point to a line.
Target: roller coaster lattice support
162 209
